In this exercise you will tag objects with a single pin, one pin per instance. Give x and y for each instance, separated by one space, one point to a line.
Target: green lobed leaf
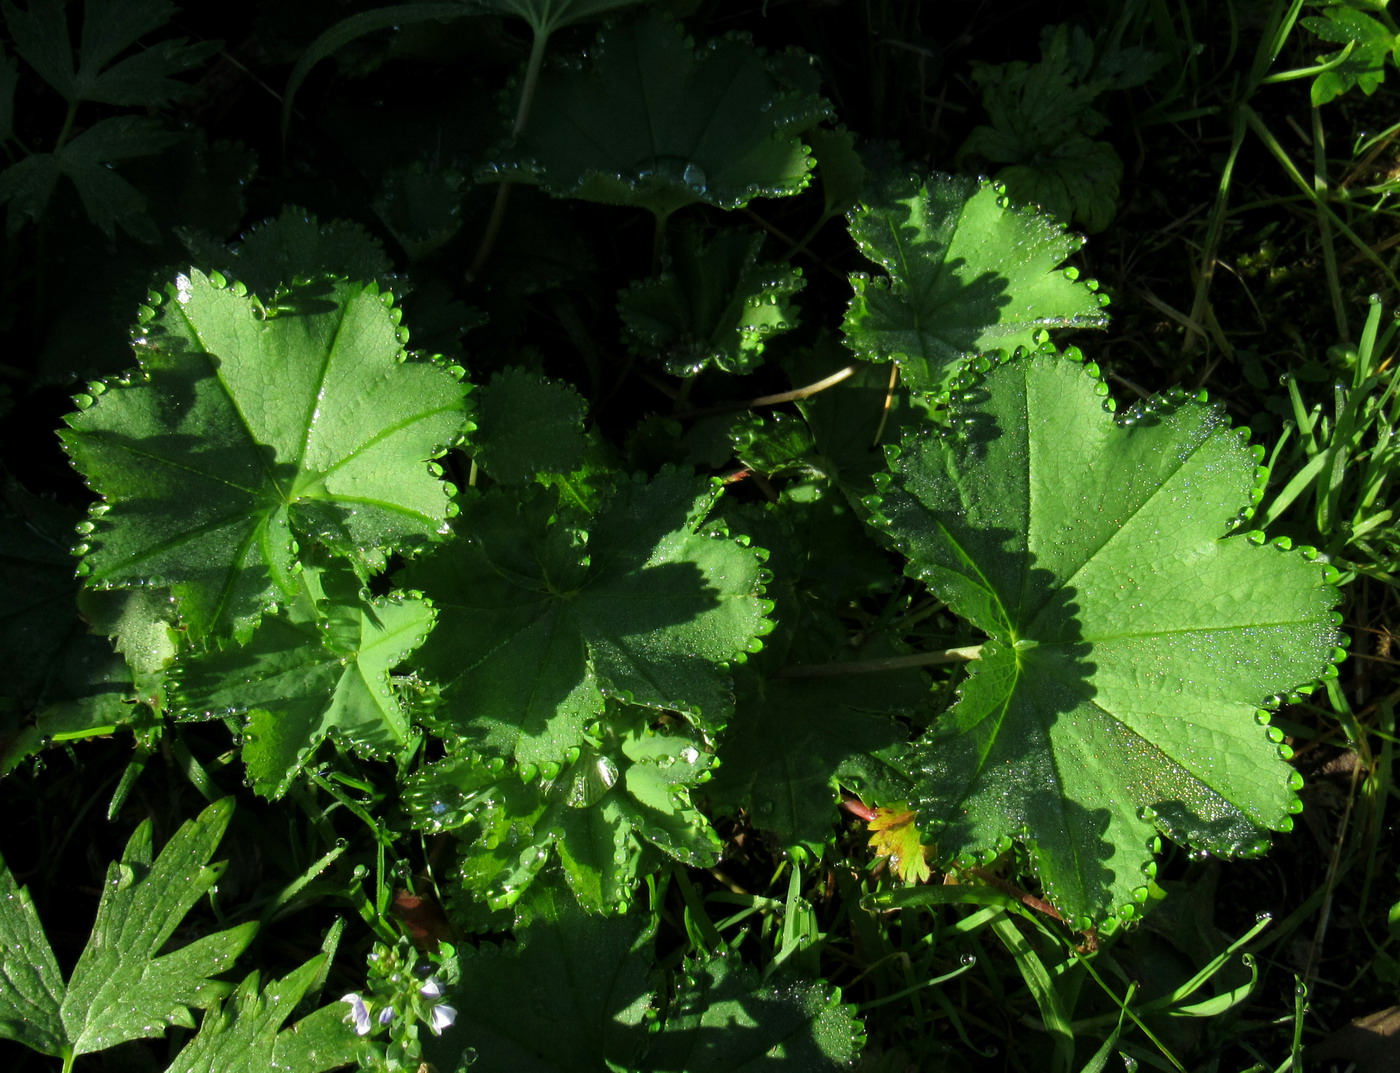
31 997
654 122
1042 126
571 996
1130 641
122 987
249 429
527 425
543 612
292 247
626 790
968 274
320 669
243 1033
724 1019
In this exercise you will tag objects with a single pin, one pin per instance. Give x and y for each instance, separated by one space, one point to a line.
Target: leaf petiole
879 666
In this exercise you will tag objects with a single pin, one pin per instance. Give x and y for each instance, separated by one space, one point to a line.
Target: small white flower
359 1013
443 1016
432 989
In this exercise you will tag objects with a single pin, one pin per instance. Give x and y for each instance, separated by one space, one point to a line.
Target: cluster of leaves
578 650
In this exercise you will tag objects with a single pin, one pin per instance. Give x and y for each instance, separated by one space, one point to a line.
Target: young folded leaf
715 304
611 802
1131 641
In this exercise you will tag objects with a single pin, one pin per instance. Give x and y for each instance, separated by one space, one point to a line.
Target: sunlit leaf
250 429
1130 641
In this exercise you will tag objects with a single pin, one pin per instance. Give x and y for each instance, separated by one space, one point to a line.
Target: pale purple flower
431 989
386 1015
443 1016
359 1013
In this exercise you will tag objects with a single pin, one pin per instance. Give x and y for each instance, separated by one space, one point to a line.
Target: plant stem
879 666
781 397
522 116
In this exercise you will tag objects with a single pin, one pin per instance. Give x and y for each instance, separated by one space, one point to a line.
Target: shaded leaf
1042 128
544 612
109 200
293 247
832 731
656 123
572 996
143 78
527 425
724 1018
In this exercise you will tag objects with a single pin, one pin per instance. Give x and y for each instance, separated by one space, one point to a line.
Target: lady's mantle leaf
1130 644
714 304
527 425
968 274
572 997
725 1019
122 987
575 995
250 428
627 790
657 124
292 246
543 613
313 672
